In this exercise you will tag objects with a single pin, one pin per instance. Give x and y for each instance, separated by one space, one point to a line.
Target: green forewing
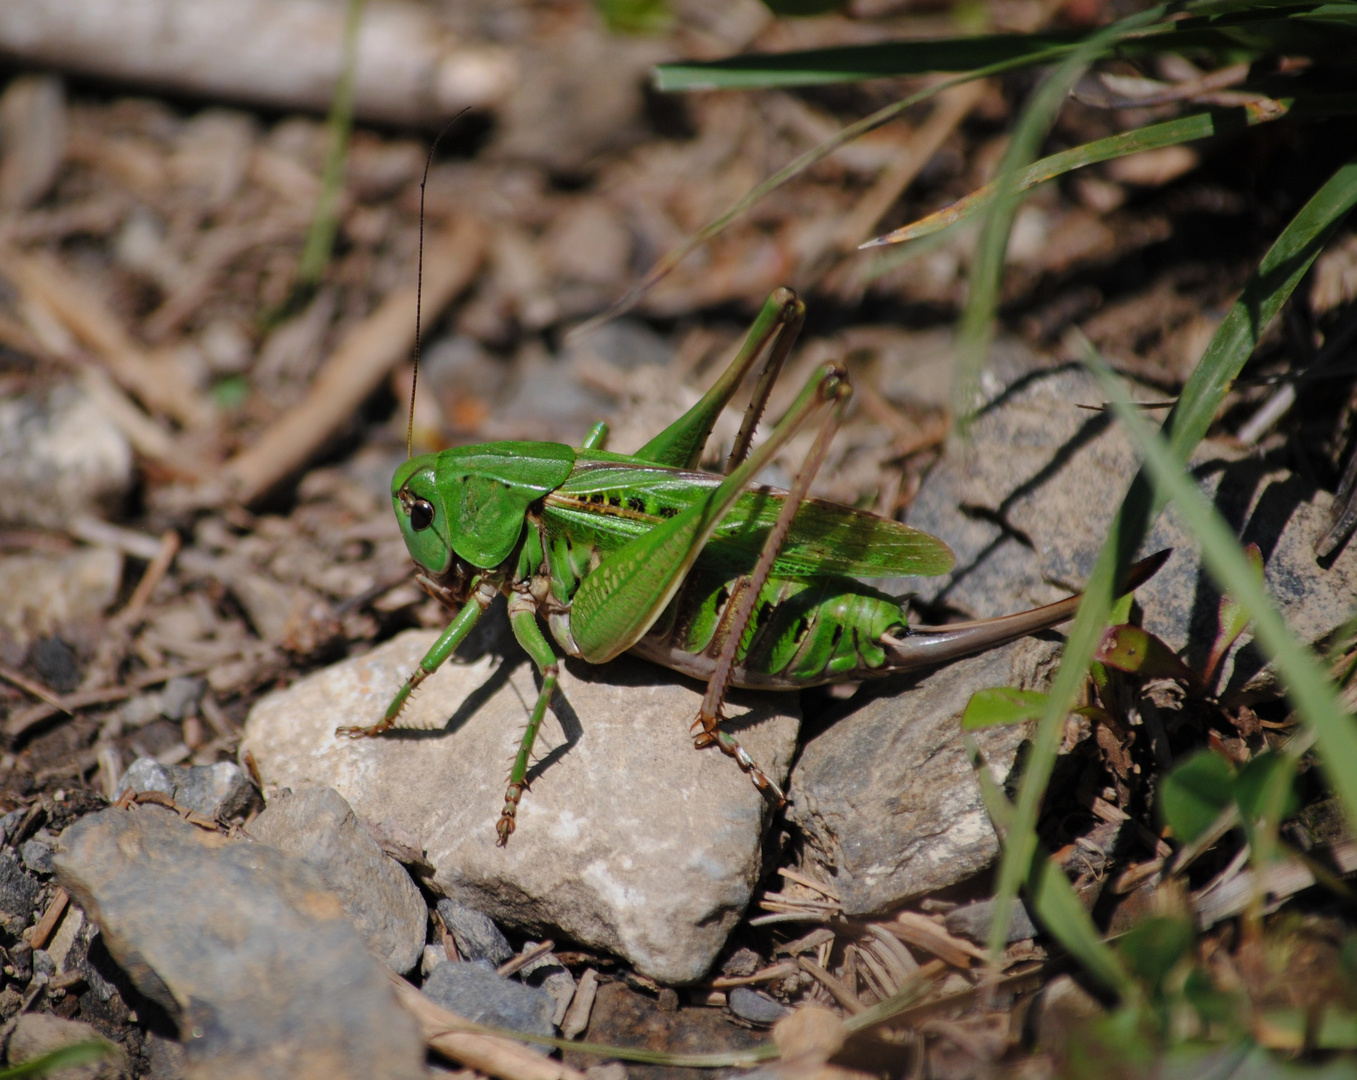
825 539
488 488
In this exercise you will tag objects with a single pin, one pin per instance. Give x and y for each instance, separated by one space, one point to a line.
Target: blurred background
209 231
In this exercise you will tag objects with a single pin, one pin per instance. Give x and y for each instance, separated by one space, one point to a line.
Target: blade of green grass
788 172
1267 289
852 63
320 238
1152 137
977 320
1053 899
1307 683
67 1057
1233 31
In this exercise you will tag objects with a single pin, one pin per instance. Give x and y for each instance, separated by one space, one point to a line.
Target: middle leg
523 619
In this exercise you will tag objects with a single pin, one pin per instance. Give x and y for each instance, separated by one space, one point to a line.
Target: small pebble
972 922
243 944
43 965
755 1007
482 995
56 664
37 856
741 962
220 791
21 960
181 696
476 935
550 974
18 891
139 711
9 824
430 958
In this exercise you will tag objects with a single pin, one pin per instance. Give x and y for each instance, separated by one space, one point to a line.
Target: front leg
482 593
523 619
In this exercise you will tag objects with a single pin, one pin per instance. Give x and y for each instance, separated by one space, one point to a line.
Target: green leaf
635 16
1232 619
1212 1005
1001 705
1118 1046
1266 796
1154 946
1337 1029
231 393
1138 652
1194 792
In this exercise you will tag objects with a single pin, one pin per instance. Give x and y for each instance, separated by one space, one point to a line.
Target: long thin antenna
419 282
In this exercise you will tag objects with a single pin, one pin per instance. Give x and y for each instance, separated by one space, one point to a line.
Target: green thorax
479 497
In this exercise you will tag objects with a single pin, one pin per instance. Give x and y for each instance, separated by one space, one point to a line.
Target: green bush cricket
712 576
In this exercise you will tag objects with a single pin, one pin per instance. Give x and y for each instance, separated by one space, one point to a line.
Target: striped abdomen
803 632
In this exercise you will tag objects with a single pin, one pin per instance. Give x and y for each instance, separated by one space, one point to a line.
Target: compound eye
421 515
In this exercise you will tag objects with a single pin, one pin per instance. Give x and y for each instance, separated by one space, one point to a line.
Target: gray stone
220 791
750 1005
886 797
20 958
44 592
60 457
551 975
479 994
165 1058
56 664
37 855
9 823
18 891
36 1034
630 840
1026 504
44 967
624 343
430 958
245 946
476 935
384 905
972 922
181 696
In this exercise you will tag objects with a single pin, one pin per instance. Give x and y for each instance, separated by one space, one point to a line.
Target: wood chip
923 932
576 1020
42 933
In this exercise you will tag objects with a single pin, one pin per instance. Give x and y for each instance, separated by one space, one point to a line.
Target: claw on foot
711 734
360 732
508 817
